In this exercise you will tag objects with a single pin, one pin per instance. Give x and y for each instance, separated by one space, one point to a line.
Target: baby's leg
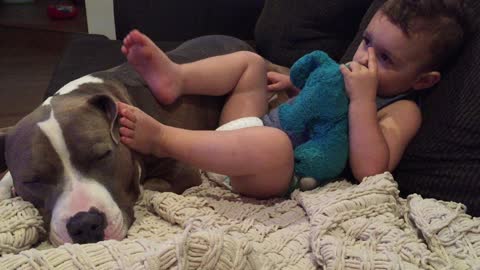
241 74
161 74
259 160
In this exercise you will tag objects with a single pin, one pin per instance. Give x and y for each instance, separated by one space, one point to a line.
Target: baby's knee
281 149
252 59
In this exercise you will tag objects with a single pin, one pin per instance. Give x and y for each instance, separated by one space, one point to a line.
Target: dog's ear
107 104
3 139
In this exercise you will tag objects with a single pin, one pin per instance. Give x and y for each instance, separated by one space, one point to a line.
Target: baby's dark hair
442 19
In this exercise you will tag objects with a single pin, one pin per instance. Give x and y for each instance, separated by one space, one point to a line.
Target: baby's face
401 59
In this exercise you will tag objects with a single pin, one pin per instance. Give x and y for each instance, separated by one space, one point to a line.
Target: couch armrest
185 19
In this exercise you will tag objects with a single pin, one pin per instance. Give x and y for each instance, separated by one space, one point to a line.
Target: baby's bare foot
140 131
160 73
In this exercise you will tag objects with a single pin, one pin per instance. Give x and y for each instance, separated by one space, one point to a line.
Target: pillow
288 29
443 159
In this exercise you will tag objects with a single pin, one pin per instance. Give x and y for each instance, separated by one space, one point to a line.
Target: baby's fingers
372 60
275 86
345 70
273 76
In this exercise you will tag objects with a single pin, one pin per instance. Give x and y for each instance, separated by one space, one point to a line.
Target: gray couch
442 161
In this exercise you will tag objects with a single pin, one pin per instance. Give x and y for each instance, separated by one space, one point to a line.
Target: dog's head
65 158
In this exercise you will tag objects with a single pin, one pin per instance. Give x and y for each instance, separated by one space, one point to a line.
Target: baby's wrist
361 99
362 103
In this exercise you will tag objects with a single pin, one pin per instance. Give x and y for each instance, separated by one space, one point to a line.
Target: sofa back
443 160
288 29
180 20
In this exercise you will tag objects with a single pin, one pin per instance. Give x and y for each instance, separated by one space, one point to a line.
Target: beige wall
100 19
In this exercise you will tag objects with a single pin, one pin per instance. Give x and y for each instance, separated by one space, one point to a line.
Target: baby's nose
363 59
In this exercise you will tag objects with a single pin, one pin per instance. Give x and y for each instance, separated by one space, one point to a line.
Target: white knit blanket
338 226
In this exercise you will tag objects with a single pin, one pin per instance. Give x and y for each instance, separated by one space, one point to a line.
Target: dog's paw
6 187
5 193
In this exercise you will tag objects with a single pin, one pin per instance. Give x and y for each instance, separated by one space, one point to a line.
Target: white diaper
241 123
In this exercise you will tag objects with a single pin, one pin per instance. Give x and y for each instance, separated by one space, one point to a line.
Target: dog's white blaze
73 85
139 169
47 101
86 190
51 129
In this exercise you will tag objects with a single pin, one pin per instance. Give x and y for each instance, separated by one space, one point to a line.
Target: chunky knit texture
338 226
316 120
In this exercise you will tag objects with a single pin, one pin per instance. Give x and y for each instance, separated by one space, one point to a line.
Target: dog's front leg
6 187
157 184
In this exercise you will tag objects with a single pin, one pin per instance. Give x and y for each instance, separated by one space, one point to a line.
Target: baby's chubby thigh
268 159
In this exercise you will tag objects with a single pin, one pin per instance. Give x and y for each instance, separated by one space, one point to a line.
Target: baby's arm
369 151
377 143
377 140
281 82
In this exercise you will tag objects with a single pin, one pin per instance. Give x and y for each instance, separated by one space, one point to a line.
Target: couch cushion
88 53
443 159
181 20
288 29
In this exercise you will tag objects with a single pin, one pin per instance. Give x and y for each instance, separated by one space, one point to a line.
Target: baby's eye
385 58
366 40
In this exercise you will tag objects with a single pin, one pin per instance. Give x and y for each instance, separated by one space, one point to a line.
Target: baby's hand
281 82
361 82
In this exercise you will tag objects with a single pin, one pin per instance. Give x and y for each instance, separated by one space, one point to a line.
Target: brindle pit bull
65 156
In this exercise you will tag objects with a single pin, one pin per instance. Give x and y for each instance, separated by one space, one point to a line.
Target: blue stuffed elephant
316 120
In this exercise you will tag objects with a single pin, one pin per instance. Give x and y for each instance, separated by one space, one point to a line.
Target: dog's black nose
87 227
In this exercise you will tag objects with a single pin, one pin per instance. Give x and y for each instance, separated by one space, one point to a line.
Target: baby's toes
124 50
127 123
137 38
127 41
126 132
127 112
127 141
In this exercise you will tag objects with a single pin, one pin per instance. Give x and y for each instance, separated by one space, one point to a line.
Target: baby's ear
426 80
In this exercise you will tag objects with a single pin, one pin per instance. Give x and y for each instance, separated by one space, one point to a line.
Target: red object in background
62 10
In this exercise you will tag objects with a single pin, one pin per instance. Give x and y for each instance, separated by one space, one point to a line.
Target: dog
66 159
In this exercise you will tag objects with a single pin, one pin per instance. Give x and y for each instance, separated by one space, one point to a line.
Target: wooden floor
31 44
27 60
34 15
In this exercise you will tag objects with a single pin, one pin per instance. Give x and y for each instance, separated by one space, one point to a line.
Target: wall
100 18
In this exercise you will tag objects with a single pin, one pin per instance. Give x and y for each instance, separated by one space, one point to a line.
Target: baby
403 48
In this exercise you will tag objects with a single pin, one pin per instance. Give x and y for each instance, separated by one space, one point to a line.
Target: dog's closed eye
104 155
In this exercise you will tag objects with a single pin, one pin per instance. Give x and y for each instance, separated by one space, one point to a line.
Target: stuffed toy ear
304 66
